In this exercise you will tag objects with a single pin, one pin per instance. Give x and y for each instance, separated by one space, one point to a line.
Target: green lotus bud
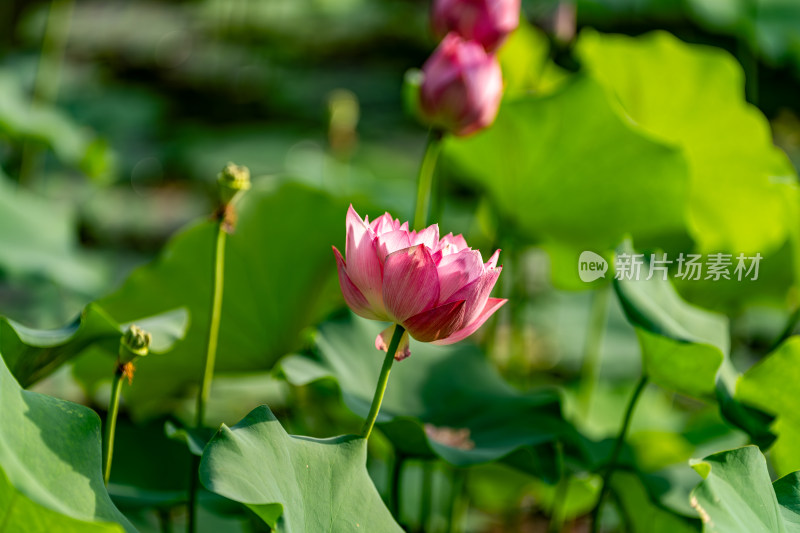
232 180
135 342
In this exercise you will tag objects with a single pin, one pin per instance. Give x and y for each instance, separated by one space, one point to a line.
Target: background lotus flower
462 86
437 289
486 21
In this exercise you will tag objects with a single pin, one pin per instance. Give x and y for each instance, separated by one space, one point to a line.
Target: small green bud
232 180
135 342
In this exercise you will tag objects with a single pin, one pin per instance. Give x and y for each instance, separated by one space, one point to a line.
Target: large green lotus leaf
736 495
692 97
771 385
32 354
39 238
556 165
50 465
276 266
685 348
448 401
295 483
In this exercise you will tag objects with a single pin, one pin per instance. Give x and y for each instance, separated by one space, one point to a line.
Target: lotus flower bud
486 21
436 288
135 342
462 87
232 180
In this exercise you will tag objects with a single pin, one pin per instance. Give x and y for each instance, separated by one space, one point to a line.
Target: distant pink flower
486 21
437 289
461 88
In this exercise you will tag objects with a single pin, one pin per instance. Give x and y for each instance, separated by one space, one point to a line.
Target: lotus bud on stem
233 181
134 343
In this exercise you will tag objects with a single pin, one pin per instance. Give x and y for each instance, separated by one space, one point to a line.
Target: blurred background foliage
115 117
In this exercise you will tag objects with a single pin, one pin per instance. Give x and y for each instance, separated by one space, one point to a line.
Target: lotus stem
111 422
427 171
133 344
383 380
213 329
233 181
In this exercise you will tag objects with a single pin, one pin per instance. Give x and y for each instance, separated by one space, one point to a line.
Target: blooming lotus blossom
436 288
486 21
461 88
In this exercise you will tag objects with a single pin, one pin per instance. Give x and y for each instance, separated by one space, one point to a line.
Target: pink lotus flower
462 86
437 289
486 21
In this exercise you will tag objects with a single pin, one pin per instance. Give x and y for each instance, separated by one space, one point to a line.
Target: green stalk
233 181
425 179
213 329
612 462
111 423
211 356
383 380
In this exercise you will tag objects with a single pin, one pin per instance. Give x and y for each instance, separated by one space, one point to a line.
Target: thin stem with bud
232 182
135 343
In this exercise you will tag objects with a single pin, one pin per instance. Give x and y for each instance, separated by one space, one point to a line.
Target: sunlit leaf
526 64
559 164
741 192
